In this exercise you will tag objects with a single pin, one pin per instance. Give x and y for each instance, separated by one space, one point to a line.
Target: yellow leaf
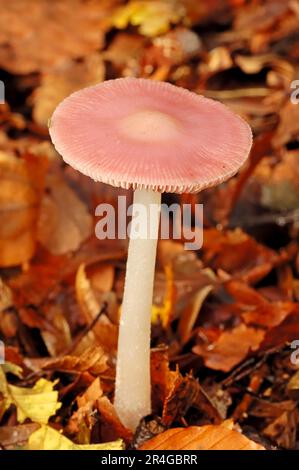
37 403
4 401
153 18
163 313
47 438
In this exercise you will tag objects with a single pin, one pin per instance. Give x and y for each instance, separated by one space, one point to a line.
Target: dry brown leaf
61 82
112 428
174 394
93 360
12 437
102 277
64 221
259 24
36 36
182 394
230 348
283 333
279 185
160 376
125 51
210 437
293 383
22 184
104 332
86 298
190 314
257 309
234 251
282 430
58 340
6 296
164 381
82 421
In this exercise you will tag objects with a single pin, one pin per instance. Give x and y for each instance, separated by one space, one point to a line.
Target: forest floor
225 318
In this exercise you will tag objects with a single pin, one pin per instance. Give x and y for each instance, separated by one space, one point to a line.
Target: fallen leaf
234 251
38 403
85 295
59 337
286 332
102 277
36 36
152 18
64 221
230 348
163 313
279 184
47 438
105 332
82 420
61 82
293 383
93 360
110 422
125 50
174 394
257 310
147 429
182 394
210 437
13 437
6 296
22 184
283 429
190 314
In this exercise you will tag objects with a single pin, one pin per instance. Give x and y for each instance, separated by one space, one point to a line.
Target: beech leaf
153 18
210 437
47 438
38 403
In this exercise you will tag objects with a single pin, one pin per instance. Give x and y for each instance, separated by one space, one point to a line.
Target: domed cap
139 133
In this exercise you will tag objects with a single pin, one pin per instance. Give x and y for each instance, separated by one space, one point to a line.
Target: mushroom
152 137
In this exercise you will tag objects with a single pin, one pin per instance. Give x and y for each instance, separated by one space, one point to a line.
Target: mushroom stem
133 384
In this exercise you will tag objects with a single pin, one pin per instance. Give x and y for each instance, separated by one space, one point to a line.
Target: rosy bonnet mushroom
152 137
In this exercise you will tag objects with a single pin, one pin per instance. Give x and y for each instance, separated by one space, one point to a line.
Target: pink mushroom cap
139 133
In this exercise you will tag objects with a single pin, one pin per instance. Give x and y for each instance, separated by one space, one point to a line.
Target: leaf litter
224 317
